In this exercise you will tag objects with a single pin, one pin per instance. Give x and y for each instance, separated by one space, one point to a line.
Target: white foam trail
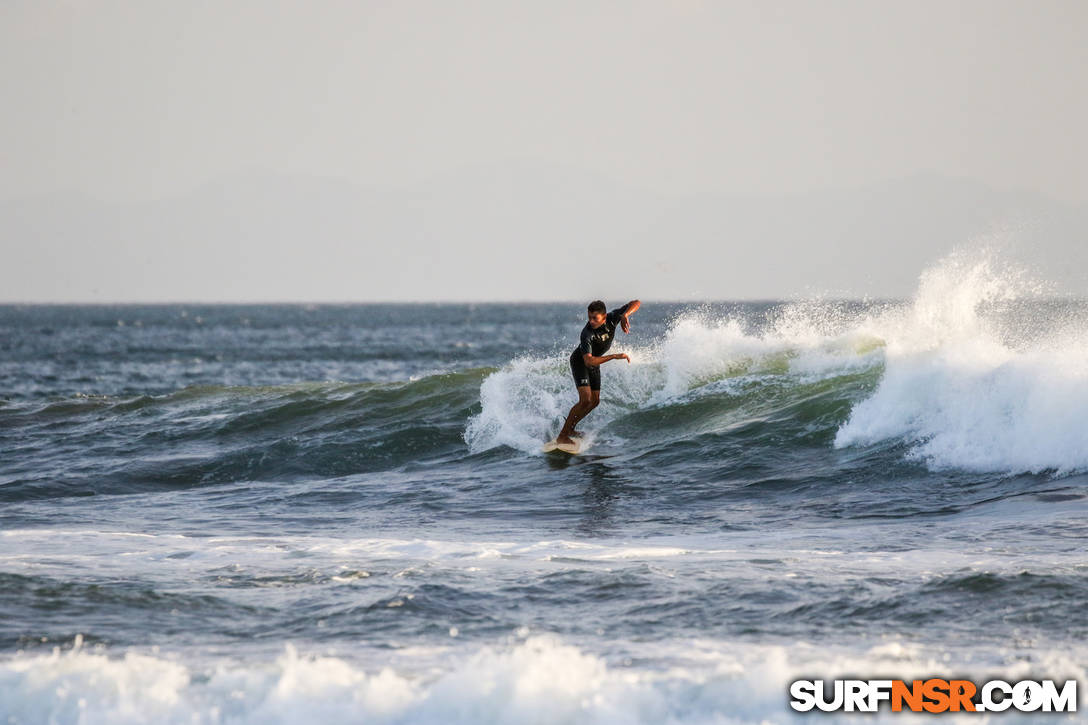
520 404
533 679
49 552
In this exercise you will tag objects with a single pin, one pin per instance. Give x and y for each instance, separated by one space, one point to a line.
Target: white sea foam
520 404
537 678
968 394
528 678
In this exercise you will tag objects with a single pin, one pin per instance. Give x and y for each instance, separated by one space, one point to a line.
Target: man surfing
586 360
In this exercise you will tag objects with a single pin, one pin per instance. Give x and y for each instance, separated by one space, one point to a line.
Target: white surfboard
572 448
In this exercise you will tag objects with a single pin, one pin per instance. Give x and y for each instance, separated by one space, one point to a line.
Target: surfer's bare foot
565 440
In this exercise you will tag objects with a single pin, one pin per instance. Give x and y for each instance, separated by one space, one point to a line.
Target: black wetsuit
595 342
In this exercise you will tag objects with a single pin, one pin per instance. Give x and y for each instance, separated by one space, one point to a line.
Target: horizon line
346 303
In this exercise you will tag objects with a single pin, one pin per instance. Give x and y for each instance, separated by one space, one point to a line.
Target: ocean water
332 514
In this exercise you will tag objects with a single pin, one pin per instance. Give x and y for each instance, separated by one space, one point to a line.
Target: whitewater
340 513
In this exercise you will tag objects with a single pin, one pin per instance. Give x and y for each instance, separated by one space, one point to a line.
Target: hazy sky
156 109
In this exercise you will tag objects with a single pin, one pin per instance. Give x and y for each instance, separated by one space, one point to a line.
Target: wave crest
978 371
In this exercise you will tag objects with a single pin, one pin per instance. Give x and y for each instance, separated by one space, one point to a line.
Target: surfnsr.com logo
933 695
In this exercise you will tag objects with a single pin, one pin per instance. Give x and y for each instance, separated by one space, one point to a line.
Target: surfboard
573 448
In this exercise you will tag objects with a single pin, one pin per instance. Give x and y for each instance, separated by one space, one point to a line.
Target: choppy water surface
340 513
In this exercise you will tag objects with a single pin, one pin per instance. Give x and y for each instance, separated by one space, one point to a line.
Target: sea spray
962 391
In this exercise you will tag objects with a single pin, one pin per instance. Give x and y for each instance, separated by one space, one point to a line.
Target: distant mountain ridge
517 232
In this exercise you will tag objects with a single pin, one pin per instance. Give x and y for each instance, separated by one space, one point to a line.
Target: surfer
585 361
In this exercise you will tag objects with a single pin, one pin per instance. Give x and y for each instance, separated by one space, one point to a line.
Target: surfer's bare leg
594 401
587 401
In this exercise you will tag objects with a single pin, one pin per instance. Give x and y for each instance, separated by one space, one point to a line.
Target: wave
978 372
713 370
207 435
532 678
975 391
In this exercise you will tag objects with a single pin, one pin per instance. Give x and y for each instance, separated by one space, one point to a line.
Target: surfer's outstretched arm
629 309
597 360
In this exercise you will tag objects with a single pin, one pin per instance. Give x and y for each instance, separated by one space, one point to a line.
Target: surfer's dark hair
597 306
